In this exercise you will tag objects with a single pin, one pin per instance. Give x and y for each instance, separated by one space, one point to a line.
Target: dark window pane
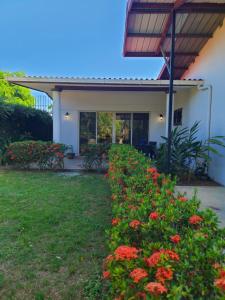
105 122
87 129
123 133
177 118
140 128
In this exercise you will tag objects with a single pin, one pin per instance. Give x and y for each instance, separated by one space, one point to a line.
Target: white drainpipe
209 88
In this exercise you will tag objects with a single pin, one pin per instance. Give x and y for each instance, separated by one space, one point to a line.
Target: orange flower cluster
183 199
138 274
195 219
126 253
156 288
115 221
154 215
164 274
106 274
175 238
220 282
135 224
156 257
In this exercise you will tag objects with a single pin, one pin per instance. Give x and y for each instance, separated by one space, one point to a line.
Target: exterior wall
210 66
76 101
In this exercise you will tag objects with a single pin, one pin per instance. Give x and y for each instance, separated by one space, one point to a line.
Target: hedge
31 154
18 123
162 246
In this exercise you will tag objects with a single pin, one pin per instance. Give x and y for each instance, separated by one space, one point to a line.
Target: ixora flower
106 274
138 274
151 170
183 199
135 224
156 288
154 215
195 219
156 257
175 238
220 283
115 221
126 253
163 274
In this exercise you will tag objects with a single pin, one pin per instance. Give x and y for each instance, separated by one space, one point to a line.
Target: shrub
96 156
161 245
18 123
44 155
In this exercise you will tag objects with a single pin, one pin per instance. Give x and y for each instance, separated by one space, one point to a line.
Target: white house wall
210 66
75 101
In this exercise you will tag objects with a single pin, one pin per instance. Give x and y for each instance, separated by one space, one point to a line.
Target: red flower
135 224
115 221
220 283
169 192
151 170
106 175
126 253
154 215
195 220
183 199
154 259
132 207
138 274
175 238
163 274
106 274
155 288
173 255
222 273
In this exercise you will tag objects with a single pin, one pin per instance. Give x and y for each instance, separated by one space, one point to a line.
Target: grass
52 235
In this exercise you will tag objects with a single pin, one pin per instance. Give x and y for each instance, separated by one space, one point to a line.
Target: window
87 129
140 128
177 118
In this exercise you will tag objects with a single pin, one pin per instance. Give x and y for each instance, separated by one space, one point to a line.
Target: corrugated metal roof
148 28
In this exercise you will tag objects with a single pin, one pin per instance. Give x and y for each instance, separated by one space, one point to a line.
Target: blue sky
68 38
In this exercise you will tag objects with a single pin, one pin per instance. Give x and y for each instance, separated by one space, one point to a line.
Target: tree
14 94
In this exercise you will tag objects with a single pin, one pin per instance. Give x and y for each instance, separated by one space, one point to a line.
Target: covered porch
124 111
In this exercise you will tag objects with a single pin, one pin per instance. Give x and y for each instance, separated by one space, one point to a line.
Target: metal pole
170 113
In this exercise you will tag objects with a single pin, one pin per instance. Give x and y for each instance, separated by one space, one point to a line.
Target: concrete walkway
211 197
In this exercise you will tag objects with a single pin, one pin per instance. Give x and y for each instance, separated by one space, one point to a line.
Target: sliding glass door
123 128
109 127
140 129
87 130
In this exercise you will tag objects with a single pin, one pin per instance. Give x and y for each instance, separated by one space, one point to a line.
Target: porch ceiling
50 84
148 29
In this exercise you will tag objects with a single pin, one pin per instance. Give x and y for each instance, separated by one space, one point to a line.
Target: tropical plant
162 246
190 157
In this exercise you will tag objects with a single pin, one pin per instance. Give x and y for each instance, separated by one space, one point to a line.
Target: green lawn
52 235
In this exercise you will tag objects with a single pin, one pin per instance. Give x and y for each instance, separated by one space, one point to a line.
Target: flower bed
43 155
162 246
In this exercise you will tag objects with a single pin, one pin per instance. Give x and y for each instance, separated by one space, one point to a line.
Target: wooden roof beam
178 35
166 8
154 54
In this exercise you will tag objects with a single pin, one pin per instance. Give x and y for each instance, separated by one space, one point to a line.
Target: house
136 111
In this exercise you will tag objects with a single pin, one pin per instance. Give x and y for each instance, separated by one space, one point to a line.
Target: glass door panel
140 129
87 130
123 128
105 127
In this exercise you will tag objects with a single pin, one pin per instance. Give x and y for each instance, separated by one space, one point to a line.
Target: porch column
56 116
167 113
